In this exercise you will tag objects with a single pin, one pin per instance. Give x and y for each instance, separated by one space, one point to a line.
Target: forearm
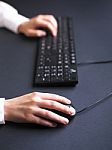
10 18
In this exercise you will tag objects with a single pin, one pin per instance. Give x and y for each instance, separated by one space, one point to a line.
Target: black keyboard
56 57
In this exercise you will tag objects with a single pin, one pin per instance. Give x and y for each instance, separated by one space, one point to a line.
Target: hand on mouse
33 108
31 28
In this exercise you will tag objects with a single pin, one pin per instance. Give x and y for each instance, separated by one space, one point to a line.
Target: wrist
2 101
22 27
6 110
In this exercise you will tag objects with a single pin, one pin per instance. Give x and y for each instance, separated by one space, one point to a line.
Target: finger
51 116
42 121
57 106
46 24
36 33
54 97
51 19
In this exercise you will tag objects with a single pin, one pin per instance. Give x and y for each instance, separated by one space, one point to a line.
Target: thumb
36 33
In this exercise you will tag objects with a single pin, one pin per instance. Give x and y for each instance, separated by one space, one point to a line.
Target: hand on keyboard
32 27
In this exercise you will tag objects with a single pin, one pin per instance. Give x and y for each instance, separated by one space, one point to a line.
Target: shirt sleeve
10 18
2 120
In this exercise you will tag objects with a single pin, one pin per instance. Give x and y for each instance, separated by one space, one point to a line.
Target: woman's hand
32 27
33 108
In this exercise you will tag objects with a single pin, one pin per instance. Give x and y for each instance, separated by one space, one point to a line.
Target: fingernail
44 33
68 101
66 121
72 111
54 33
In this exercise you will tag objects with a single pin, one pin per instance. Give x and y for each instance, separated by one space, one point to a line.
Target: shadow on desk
28 126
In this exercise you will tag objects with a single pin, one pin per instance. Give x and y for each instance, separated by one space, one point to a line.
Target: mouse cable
95 104
102 99
94 62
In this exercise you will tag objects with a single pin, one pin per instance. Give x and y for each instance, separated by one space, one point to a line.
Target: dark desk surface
91 130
